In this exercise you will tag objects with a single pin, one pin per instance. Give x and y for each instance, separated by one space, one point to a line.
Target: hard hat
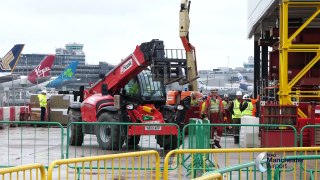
214 90
225 95
239 93
192 94
246 96
44 91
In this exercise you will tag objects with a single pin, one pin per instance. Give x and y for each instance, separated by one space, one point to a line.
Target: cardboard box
35 116
60 101
34 101
59 116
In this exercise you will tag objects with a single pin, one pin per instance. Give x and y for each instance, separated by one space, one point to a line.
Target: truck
133 92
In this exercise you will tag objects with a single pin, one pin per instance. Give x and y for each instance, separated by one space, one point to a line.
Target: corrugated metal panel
257 10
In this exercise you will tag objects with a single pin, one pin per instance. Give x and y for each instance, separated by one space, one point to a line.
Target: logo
68 73
6 60
126 66
258 161
274 161
41 72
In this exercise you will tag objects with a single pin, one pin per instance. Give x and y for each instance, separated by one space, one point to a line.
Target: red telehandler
133 91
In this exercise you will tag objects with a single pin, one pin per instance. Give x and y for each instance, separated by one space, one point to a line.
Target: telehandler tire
109 136
133 140
76 138
168 142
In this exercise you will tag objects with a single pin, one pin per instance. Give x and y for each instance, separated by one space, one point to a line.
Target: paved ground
27 145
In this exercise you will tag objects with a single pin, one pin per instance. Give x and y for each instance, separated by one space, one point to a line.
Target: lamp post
14 94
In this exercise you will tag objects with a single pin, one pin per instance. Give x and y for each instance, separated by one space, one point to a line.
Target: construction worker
254 103
236 115
225 103
246 107
43 104
213 109
194 99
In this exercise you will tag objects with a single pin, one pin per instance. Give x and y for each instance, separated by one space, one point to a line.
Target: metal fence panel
133 166
31 171
89 145
244 163
30 142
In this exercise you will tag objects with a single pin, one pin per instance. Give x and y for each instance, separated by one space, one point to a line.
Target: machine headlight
129 106
180 107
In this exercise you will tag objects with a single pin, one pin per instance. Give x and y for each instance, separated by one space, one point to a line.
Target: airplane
62 79
42 70
10 60
221 89
244 85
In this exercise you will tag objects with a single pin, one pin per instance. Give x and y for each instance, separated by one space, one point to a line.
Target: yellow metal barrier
214 176
239 163
137 165
24 172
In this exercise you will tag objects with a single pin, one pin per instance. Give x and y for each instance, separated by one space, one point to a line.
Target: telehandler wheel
77 135
109 136
133 140
168 142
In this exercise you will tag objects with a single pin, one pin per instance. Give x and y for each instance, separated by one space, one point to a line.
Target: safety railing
198 136
110 138
212 176
30 172
134 165
31 142
244 163
311 134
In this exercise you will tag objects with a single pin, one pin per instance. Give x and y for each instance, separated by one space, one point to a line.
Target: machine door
150 90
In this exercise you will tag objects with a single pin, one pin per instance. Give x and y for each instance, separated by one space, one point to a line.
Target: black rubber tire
133 140
109 137
76 138
168 142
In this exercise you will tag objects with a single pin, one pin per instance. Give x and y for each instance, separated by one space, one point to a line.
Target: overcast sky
110 29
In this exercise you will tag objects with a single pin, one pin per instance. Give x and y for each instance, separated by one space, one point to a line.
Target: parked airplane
10 60
42 70
56 82
221 89
244 85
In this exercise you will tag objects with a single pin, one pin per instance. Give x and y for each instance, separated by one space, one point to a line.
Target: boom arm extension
131 66
184 23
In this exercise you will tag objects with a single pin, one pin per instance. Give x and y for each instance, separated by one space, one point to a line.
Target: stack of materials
249 135
59 104
35 110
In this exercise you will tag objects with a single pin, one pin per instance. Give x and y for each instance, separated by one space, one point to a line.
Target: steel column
256 69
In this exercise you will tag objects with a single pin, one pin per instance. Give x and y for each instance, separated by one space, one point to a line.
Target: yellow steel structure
227 155
24 172
286 46
99 169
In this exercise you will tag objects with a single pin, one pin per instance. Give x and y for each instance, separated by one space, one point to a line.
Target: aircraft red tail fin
42 70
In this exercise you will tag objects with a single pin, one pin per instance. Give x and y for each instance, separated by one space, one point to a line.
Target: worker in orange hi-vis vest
254 103
213 109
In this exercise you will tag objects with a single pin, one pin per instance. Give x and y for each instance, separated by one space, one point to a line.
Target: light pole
14 94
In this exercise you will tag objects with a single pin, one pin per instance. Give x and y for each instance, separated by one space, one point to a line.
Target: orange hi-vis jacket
204 109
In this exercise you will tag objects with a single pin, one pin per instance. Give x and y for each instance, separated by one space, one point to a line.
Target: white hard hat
44 91
225 95
239 93
246 96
